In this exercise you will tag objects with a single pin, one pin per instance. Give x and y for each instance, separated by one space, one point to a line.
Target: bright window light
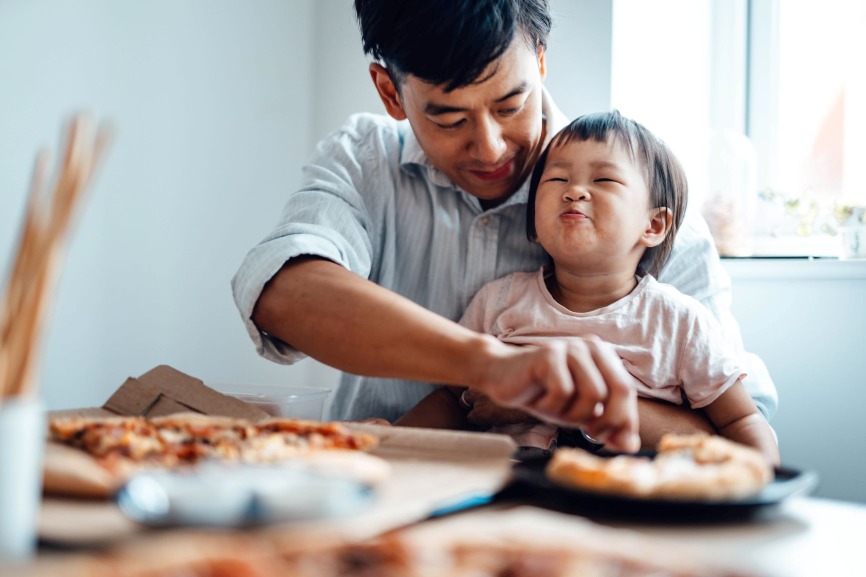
764 102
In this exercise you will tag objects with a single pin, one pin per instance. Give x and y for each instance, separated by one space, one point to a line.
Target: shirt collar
413 154
554 119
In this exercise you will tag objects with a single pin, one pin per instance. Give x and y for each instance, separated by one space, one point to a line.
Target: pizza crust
687 467
74 473
356 465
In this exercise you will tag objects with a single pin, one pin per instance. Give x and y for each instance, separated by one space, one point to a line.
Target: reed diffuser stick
36 269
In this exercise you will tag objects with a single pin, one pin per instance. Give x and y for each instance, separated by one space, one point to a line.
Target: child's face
592 207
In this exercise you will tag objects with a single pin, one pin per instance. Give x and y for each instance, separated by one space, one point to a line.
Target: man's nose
489 143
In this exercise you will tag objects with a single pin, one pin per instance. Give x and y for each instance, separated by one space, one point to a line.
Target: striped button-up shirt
372 202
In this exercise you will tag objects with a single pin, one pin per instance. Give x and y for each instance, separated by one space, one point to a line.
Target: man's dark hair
447 42
663 173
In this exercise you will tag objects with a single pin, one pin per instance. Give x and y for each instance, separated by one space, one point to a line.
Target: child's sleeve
708 365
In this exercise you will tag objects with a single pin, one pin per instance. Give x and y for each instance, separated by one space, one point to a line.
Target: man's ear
658 226
387 91
542 63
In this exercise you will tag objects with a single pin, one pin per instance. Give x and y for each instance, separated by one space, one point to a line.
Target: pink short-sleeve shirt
667 340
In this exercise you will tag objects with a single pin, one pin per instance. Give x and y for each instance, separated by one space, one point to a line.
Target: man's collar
555 120
412 153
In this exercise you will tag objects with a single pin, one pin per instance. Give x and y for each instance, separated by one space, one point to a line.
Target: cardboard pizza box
432 470
164 390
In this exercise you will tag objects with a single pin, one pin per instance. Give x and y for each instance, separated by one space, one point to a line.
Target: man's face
484 136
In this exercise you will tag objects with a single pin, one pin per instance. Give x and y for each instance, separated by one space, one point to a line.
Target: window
764 101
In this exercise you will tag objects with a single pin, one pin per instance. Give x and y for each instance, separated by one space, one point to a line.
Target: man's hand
578 382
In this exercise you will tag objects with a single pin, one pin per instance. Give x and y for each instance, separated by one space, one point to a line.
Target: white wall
579 56
806 320
211 106
341 81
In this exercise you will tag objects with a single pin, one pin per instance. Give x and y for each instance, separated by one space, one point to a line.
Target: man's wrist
487 351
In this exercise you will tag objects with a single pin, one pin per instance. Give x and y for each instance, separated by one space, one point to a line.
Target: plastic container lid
289 393
289 401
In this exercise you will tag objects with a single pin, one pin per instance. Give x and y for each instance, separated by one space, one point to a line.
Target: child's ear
658 226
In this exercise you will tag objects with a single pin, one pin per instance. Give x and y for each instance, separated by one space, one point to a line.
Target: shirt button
484 220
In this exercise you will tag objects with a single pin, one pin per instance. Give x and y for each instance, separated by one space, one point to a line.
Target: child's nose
576 193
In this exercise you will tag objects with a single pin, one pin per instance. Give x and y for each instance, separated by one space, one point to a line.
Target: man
401 219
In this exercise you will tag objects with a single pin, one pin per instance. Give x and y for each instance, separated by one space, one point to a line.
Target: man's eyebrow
519 89
433 109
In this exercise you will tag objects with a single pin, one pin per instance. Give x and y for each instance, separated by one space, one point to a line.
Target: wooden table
802 537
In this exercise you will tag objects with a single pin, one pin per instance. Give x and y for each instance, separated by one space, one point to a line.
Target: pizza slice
121 446
686 467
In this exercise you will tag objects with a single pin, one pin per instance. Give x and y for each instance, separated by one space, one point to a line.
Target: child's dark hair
664 174
447 42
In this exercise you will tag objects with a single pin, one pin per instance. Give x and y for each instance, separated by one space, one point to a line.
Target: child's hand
483 411
373 421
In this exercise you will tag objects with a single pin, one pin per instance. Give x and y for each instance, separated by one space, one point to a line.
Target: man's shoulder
667 295
694 266
365 140
693 229
367 126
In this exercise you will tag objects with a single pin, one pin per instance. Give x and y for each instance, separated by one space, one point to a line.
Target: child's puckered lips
573 214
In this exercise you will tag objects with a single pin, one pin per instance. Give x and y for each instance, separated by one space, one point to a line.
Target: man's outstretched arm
352 324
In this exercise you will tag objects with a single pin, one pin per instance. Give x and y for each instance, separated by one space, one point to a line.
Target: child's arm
737 418
658 418
439 410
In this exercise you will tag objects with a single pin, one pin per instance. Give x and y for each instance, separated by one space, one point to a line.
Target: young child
605 201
